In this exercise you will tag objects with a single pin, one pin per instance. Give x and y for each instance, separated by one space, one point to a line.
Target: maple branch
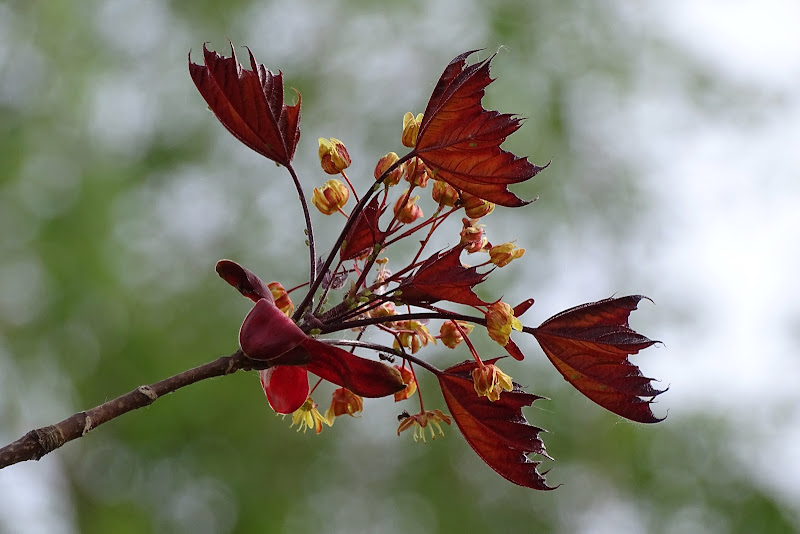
309 228
36 443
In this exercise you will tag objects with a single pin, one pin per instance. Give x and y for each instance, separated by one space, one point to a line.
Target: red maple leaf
460 141
497 430
249 103
443 277
364 233
590 344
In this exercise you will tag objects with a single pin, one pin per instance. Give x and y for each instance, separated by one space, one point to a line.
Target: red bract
590 344
269 335
249 103
460 141
497 430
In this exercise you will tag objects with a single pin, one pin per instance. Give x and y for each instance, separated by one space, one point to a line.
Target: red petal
460 141
247 283
590 344
268 334
286 387
249 103
363 377
497 431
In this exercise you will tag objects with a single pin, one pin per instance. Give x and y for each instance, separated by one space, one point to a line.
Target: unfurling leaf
364 233
443 277
460 141
249 103
590 344
497 431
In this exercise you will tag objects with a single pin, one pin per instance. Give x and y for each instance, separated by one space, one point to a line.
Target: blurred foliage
119 191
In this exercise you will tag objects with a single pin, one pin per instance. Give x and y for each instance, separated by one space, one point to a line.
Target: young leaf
249 103
460 141
497 431
590 344
443 277
364 233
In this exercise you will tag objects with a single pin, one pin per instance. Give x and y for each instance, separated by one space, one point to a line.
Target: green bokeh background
119 191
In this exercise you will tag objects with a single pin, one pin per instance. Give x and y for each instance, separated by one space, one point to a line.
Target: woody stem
41 441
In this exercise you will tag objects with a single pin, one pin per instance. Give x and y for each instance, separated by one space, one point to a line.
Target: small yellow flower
307 416
502 255
500 321
422 420
331 198
282 300
451 335
343 402
333 156
411 129
490 381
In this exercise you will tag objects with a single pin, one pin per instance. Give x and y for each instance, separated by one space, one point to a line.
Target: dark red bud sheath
247 283
267 334
363 377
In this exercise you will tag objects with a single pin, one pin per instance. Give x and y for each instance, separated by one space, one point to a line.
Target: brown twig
37 443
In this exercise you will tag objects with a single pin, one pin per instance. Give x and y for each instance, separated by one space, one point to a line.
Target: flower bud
383 165
331 198
406 209
472 236
410 382
444 194
500 321
451 335
490 381
502 255
333 156
476 207
416 173
411 129
282 300
344 402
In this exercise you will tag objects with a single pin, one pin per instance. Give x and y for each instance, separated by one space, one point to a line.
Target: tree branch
37 443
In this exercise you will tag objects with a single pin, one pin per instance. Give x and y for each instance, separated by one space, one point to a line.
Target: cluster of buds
376 301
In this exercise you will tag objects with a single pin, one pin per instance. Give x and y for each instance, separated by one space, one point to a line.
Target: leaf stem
309 227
